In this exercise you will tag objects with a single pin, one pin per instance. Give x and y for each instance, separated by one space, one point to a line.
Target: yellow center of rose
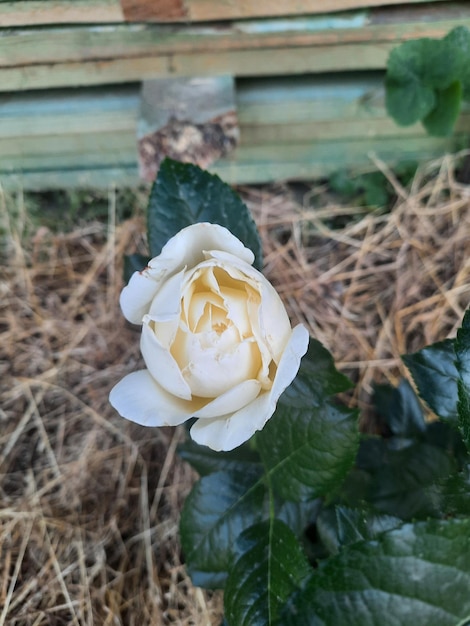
215 345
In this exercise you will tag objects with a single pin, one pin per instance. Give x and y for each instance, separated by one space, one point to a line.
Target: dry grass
383 285
89 502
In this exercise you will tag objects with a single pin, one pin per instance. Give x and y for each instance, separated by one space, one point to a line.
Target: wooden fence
308 85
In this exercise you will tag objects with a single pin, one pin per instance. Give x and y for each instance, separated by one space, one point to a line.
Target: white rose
216 340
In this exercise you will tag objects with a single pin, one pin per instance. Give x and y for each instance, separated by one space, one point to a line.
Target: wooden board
90 55
164 10
36 12
290 128
249 165
48 113
210 10
28 46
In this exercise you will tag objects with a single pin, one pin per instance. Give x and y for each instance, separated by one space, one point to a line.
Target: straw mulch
387 283
89 503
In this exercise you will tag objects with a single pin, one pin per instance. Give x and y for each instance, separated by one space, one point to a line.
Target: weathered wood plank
306 99
63 151
259 101
269 111
79 74
202 10
125 175
332 129
248 165
36 12
108 42
341 120
49 113
256 164
113 149
164 10
69 56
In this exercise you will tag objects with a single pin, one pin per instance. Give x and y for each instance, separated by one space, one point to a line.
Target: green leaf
435 374
269 566
297 515
183 194
339 526
417 575
399 408
133 263
376 189
399 477
462 354
458 44
206 461
316 380
309 444
413 73
307 452
456 493
219 507
441 120
419 79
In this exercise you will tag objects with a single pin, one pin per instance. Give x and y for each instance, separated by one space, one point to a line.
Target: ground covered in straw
89 503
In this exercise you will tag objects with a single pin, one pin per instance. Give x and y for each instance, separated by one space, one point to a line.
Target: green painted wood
290 128
331 130
23 46
294 61
29 12
251 164
81 149
303 161
88 55
97 178
33 12
92 149
269 110
96 128
51 113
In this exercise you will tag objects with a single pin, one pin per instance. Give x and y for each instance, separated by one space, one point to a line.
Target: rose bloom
216 340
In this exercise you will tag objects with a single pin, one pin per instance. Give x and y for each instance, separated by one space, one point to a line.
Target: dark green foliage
399 409
268 566
434 372
218 509
462 355
416 575
310 443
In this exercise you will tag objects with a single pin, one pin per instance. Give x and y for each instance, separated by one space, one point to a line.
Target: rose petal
213 363
138 398
274 326
232 400
231 430
161 363
252 281
186 248
166 304
136 297
290 361
190 243
274 321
